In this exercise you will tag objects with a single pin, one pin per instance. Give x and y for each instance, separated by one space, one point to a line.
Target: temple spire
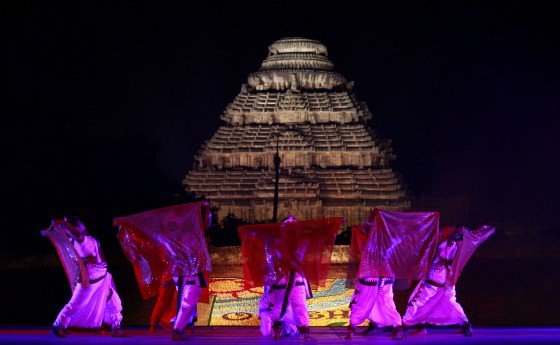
296 109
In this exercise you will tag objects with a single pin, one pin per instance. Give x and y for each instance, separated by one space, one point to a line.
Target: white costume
296 301
432 302
373 299
288 325
189 290
98 303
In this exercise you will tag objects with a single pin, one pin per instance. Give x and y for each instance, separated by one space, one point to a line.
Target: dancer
373 295
95 302
288 327
373 300
289 257
165 309
170 239
290 294
434 300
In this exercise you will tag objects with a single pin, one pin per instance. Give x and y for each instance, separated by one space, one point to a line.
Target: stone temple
332 163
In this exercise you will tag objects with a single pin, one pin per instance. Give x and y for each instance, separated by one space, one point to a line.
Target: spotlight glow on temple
332 163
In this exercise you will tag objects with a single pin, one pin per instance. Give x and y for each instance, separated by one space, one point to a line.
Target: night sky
106 103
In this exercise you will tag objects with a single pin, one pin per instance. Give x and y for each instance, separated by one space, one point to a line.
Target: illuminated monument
332 164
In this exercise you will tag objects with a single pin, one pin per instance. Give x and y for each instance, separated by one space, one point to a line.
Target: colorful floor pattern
232 305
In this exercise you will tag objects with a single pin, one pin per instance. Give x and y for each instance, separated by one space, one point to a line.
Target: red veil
165 240
466 247
357 242
400 245
76 271
270 251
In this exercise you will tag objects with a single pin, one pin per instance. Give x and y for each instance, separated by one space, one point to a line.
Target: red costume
165 310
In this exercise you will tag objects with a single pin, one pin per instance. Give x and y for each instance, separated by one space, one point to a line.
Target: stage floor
251 335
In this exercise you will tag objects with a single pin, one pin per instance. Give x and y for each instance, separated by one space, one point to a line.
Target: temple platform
251 335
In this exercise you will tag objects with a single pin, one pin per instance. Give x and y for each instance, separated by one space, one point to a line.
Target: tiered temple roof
332 163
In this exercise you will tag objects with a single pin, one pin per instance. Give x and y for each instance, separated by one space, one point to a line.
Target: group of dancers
168 250
433 301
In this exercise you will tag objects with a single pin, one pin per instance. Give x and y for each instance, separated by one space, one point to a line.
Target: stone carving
332 163
296 63
297 45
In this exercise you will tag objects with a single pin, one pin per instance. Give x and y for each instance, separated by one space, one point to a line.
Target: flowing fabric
437 303
91 303
471 241
76 271
399 245
434 305
357 242
375 303
99 303
165 240
270 251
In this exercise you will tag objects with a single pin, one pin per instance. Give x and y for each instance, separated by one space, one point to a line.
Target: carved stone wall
332 163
